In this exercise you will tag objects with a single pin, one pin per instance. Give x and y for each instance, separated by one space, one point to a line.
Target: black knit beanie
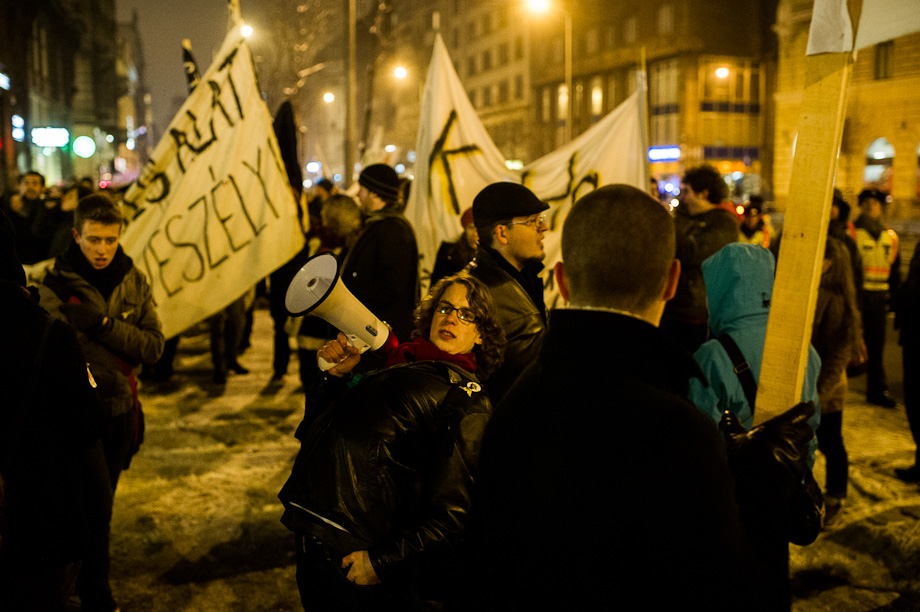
382 180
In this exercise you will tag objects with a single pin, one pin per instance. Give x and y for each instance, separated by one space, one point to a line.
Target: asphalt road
196 525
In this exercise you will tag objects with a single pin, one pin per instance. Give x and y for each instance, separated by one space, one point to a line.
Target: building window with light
884 56
597 99
547 105
666 19
629 30
664 102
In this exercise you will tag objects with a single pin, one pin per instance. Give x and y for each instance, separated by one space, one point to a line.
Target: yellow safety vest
877 258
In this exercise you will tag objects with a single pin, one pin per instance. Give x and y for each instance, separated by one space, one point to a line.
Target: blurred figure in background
454 256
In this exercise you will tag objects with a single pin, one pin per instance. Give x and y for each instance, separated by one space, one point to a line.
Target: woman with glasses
380 491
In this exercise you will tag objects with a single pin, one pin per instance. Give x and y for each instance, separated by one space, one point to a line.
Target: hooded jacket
739 287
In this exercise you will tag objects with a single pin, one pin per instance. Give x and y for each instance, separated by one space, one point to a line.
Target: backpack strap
742 369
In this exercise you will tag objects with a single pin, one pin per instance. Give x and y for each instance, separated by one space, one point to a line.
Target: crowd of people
492 455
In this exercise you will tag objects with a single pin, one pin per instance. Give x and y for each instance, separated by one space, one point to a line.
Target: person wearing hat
878 246
756 227
511 222
381 269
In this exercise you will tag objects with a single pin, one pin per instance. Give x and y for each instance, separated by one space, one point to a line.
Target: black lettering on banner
195 148
257 172
203 201
239 195
225 202
161 262
191 245
572 189
440 155
228 65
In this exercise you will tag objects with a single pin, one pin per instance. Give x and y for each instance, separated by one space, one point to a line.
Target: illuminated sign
50 137
660 154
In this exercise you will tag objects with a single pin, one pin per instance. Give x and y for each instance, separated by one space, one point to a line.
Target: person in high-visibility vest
756 227
878 246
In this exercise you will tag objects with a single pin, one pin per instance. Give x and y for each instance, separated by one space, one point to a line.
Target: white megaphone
317 290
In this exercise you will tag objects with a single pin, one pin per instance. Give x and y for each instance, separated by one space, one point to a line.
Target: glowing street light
400 72
722 72
328 97
246 31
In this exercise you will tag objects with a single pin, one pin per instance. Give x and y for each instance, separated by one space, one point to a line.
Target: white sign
212 212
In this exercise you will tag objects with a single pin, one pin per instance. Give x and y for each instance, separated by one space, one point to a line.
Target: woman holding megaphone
380 492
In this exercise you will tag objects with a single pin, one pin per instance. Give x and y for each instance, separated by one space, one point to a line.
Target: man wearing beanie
511 223
381 270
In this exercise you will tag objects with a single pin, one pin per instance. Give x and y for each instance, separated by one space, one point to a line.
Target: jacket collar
621 345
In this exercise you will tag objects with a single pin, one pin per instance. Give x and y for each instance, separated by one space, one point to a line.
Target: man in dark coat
381 270
50 420
511 223
702 228
602 488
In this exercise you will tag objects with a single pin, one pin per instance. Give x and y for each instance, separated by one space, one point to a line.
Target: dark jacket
381 270
133 336
44 511
698 237
518 298
602 486
907 312
391 461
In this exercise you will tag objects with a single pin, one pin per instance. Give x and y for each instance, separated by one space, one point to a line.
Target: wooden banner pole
798 272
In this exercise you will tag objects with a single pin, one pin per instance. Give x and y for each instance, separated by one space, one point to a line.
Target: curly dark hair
706 177
491 352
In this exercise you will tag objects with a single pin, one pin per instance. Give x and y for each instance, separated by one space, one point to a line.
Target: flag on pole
212 212
879 21
455 158
191 67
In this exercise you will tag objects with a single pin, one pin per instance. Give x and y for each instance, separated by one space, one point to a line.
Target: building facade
881 135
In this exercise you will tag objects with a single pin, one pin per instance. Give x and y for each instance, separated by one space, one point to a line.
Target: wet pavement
196 524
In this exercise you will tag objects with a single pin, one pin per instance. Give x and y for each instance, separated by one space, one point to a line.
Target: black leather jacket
391 462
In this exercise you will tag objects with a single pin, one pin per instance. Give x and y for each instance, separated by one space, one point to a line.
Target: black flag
191 68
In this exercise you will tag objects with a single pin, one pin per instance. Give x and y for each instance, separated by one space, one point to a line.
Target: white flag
212 212
831 30
456 158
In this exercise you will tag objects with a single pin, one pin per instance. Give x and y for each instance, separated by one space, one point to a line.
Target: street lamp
544 6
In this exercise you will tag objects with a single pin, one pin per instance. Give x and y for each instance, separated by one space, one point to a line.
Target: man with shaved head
602 488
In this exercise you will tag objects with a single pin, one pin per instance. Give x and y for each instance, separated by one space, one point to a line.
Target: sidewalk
196 525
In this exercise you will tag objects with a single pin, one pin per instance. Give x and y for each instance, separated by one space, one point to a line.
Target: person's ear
670 287
562 280
75 234
500 236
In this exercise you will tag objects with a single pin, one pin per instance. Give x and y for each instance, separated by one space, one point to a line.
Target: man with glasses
511 223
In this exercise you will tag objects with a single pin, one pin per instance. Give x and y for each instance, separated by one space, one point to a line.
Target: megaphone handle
354 341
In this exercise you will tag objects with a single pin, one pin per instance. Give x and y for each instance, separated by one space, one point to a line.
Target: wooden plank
798 271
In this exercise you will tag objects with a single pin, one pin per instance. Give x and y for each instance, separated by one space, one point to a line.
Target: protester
739 288
53 224
50 420
225 331
380 491
342 220
703 227
908 322
454 256
878 245
22 208
511 223
381 270
836 336
96 288
602 486
756 227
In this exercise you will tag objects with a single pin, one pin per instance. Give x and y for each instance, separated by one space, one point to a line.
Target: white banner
456 158
831 30
212 212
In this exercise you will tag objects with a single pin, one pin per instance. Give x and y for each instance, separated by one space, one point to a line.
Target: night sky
163 25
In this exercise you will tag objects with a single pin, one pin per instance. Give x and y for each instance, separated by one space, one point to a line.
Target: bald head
618 250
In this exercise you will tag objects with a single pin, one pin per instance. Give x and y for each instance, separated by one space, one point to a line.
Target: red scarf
420 349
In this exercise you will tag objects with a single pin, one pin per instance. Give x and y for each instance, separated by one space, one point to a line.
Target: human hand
84 317
338 352
16 203
361 572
